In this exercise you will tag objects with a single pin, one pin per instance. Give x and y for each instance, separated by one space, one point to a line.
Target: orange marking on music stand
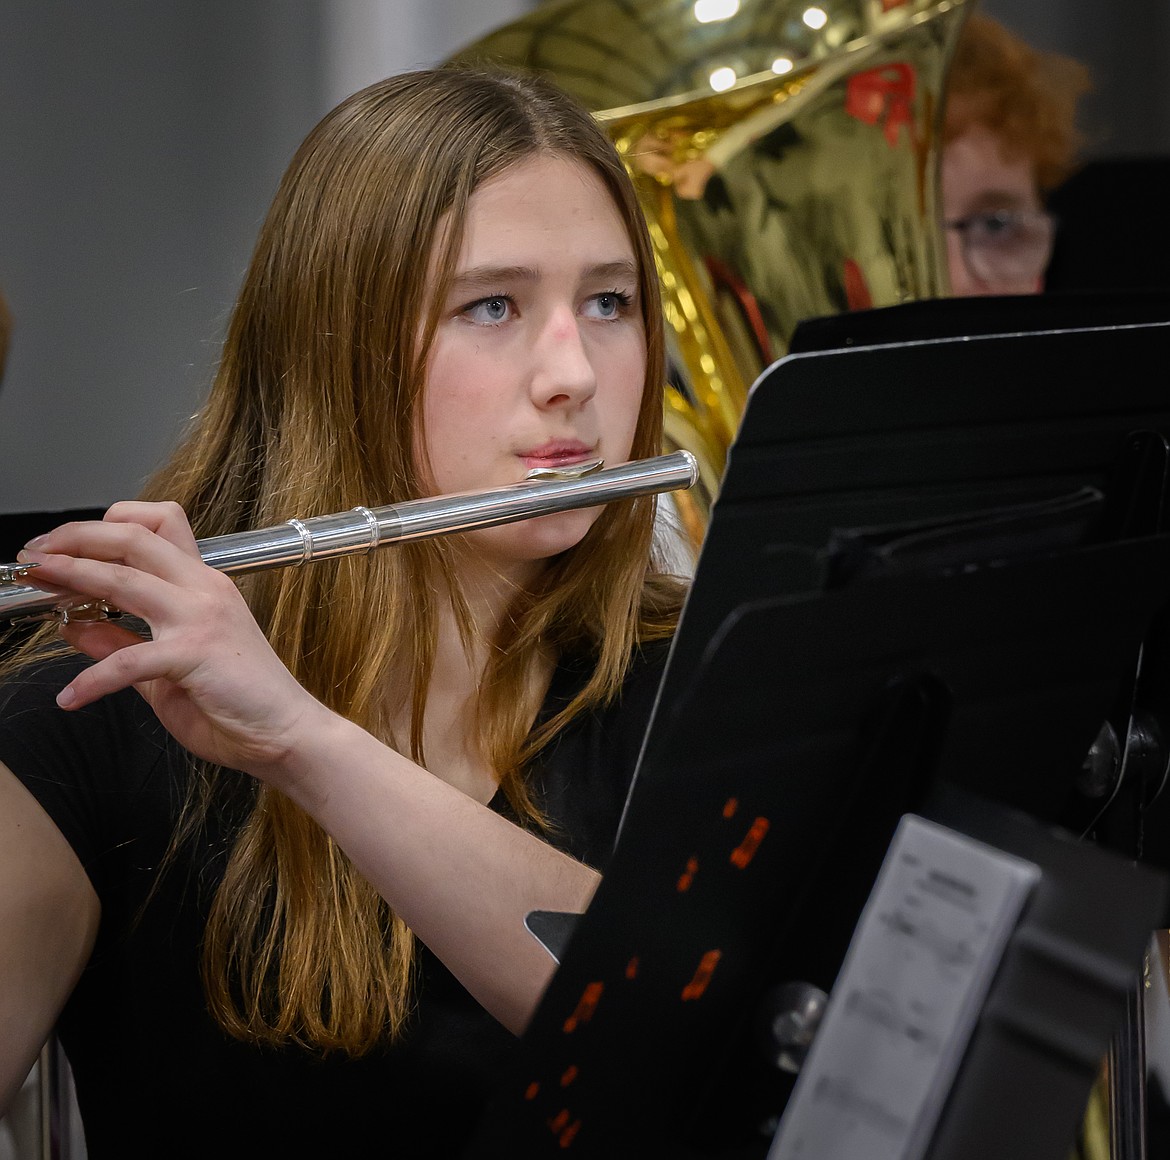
688 875
586 1005
531 1090
632 968
570 1075
730 806
746 850
706 968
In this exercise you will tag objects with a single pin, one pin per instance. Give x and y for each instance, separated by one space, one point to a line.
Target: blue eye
610 304
490 311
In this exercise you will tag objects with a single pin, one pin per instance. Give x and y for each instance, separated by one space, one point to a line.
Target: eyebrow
490 277
992 199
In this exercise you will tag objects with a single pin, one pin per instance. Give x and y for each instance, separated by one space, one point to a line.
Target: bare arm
462 877
49 918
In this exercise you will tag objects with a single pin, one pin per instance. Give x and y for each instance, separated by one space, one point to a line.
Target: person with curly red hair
1009 138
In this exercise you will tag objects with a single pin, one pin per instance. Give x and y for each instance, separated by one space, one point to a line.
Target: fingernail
66 697
36 542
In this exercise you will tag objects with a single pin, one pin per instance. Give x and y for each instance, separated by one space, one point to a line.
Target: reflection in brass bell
785 153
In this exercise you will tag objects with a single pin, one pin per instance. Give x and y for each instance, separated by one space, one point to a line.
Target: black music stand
931 661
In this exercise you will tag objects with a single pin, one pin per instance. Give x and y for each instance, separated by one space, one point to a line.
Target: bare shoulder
49 913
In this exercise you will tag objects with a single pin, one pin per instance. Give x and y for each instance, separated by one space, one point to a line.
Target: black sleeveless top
155 1075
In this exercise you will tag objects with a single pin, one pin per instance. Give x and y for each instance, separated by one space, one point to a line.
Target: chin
530 541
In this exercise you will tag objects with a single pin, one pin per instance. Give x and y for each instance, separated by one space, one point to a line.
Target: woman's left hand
459 874
208 672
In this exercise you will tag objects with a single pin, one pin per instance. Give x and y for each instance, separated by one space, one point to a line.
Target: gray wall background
142 140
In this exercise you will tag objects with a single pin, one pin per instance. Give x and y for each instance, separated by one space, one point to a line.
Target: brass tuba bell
786 157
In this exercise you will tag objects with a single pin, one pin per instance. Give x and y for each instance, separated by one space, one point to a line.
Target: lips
557 453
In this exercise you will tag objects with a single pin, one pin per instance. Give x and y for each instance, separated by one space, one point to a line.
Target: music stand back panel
795 725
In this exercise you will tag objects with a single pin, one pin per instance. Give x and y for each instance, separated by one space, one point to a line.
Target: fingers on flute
129 543
199 597
126 588
166 519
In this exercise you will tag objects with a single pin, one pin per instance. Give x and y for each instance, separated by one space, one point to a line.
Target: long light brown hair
314 409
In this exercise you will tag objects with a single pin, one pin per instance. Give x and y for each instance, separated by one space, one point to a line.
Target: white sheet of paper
907 998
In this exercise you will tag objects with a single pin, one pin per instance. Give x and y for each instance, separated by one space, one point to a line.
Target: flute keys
84 612
11 573
87 612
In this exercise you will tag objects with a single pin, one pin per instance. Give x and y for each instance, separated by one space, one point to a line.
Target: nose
563 373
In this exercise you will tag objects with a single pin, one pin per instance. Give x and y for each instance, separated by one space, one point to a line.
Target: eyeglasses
1007 248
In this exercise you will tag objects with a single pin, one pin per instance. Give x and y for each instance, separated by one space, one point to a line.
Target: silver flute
299 541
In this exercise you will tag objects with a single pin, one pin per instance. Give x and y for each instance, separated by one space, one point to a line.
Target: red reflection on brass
586 1005
569 1076
707 964
724 278
730 806
560 1120
746 850
857 293
632 968
880 92
688 875
531 1090
568 1134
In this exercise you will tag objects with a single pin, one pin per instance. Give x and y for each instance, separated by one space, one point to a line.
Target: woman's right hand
207 672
